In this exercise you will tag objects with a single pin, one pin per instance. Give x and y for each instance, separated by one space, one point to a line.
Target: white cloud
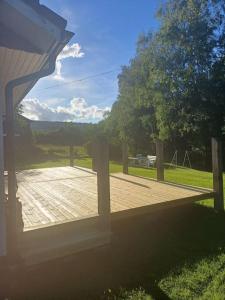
77 110
73 51
58 67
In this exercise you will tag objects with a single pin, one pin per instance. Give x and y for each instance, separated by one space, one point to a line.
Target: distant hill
51 126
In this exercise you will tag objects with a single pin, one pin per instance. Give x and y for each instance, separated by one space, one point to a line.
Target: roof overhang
29 34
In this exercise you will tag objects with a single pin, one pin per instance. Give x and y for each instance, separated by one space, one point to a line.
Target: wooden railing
217 168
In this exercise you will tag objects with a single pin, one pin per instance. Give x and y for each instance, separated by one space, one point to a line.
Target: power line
78 80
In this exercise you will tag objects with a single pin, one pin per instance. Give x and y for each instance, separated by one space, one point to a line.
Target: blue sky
105 38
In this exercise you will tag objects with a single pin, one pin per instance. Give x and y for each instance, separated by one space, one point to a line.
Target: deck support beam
217 166
159 160
125 157
103 184
71 155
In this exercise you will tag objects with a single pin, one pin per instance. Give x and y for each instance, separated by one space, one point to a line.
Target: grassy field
185 261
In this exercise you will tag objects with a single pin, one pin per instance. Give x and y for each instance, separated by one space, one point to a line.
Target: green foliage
69 133
24 137
174 87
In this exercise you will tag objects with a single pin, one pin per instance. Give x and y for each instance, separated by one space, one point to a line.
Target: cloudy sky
105 35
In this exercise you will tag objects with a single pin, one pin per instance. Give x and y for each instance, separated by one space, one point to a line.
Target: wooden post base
217 166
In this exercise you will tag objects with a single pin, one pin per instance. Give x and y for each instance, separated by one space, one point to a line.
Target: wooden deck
60 208
58 195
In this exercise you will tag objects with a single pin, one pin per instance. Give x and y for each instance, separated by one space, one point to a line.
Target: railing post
93 154
125 157
217 166
71 154
103 184
159 160
2 186
12 211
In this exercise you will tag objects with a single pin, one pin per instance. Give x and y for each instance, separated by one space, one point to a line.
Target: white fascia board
27 23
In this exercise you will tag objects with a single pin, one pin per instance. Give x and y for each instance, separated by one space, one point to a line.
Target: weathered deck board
57 195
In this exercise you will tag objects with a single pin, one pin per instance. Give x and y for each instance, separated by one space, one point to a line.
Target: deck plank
57 195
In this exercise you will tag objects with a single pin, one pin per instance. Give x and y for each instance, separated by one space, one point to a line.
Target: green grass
189 260
202 280
135 294
48 156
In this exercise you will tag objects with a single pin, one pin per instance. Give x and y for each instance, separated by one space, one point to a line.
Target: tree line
174 87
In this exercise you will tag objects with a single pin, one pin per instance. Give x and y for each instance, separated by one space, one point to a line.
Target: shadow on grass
142 252
31 156
166 166
81 157
35 155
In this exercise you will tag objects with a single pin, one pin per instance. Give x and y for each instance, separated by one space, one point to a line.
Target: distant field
198 255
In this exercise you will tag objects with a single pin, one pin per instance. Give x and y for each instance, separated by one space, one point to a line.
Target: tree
23 131
174 87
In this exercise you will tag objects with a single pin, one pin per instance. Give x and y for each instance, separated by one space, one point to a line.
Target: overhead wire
78 80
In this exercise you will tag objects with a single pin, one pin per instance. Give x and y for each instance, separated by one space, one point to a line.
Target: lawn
184 260
49 156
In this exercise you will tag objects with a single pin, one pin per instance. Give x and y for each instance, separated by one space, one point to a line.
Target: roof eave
31 25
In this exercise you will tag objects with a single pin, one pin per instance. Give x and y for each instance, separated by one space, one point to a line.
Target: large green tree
174 88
